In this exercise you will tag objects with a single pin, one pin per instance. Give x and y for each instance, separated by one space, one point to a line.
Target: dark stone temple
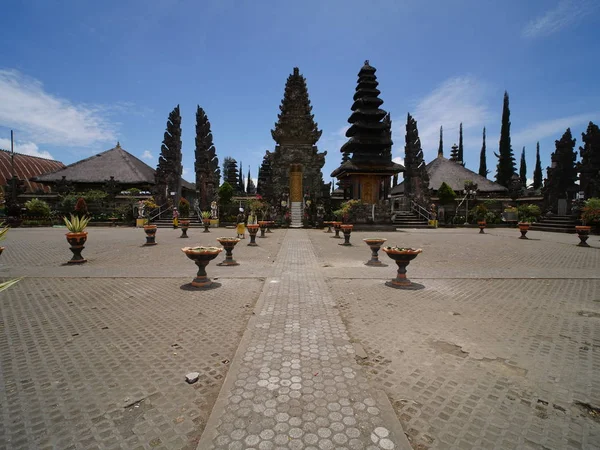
169 169
416 178
559 186
589 167
294 168
208 173
367 173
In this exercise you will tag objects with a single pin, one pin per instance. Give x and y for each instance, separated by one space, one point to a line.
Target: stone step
554 229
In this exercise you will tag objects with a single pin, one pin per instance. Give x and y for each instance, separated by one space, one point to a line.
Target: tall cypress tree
506 160
169 169
441 146
523 169
461 159
482 159
537 173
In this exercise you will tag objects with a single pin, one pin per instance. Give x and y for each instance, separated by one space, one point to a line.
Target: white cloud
26 148
49 119
147 155
185 172
565 13
456 100
398 160
548 128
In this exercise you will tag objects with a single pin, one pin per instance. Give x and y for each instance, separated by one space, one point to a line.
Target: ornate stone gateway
294 168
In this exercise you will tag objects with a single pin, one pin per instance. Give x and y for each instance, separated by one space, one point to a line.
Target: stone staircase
557 224
296 215
168 223
409 219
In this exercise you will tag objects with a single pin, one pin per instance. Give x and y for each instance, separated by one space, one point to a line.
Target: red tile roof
26 167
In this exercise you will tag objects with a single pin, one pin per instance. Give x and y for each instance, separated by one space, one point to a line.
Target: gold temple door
369 190
295 183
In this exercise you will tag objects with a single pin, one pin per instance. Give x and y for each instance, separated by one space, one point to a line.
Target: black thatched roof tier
442 170
369 137
26 167
367 167
116 162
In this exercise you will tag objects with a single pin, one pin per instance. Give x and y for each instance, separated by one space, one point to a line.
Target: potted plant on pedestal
527 214
201 256
347 230
206 220
402 256
184 216
374 244
76 237
228 244
590 214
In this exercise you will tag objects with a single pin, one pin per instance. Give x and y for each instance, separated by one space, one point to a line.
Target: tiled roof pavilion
442 170
116 162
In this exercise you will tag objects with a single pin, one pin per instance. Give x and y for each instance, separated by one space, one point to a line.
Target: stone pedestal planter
336 227
206 224
263 227
402 257
150 231
184 225
524 228
228 244
328 227
252 230
347 230
481 225
375 244
201 256
76 240
583 232
270 224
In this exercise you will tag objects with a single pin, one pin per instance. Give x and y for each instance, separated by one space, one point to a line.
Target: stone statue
214 210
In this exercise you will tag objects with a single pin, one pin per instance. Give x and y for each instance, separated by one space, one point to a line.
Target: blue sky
76 75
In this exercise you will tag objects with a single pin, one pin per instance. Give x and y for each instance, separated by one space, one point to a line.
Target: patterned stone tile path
294 382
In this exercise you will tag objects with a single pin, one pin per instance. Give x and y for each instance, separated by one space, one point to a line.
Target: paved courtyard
302 345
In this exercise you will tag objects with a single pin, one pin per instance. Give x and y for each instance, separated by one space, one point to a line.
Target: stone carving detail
296 122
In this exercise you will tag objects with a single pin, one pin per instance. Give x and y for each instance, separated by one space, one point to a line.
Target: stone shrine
367 174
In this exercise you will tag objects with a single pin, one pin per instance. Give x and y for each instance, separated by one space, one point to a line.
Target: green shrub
133 191
590 213
479 212
225 194
37 207
446 194
184 207
528 213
